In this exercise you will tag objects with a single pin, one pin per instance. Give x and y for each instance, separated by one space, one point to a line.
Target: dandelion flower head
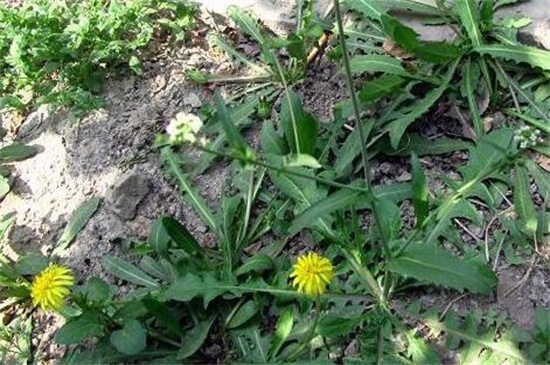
51 286
312 273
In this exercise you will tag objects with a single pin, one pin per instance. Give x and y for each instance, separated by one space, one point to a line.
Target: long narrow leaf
435 265
77 221
196 200
517 53
469 15
126 271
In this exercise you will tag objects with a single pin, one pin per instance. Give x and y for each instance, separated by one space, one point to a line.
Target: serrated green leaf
430 263
247 22
77 221
469 16
367 7
542 179
377 63
131 339
523 202
126 271
16 152
517 53
420 191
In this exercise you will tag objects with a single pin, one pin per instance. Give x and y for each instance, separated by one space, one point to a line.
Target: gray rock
542 32
124 198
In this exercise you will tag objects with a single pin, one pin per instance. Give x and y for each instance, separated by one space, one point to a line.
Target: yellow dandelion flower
312 273
51 286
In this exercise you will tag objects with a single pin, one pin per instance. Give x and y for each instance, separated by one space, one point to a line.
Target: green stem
363 135
284 170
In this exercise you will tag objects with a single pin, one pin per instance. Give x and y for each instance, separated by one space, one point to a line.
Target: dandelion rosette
51 286
184 128
312 273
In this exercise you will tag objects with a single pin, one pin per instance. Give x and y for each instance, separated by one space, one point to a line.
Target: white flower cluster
184 127
527 137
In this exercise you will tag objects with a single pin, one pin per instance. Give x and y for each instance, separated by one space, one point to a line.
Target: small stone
127 194
405 176
193 100
542 33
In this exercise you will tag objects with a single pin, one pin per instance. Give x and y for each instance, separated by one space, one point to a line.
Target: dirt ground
108 155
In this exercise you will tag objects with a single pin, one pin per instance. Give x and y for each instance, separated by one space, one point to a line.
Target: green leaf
435 265
419 351
257 263
243 314
282 331
398 126
131 339
5 223
470 80
194 338
300 128
82 328
97 290
301 160
453 209
247 23
334 326
4 186
404 36
389 219
469 16
379 87
542 179
341 199
191 195
377 63
236 141
181 236
507 348
16 152
31 263
420 191
158 238
523 202
272 142
367 7
517 53
76 223
126 271
164 314
437 52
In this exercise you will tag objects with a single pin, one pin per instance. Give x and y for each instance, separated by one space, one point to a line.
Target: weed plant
257 304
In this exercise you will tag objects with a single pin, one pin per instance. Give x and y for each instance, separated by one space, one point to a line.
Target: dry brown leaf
395 50
544 162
